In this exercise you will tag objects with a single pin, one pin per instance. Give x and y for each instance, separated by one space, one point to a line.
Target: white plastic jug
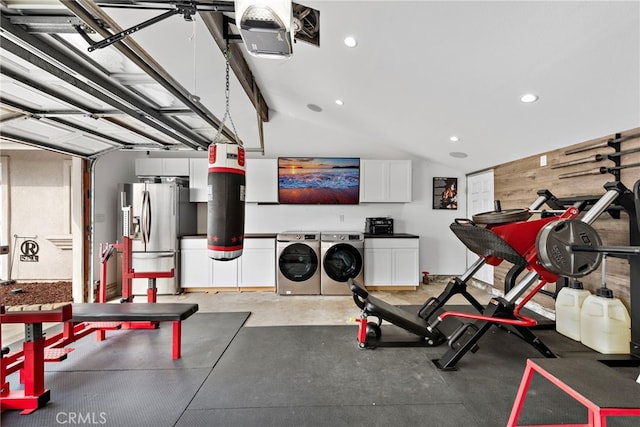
568 307
605 325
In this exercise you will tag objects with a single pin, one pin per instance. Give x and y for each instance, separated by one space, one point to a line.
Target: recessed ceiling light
529 97
350 41
454 139
339 102
314 107
458 154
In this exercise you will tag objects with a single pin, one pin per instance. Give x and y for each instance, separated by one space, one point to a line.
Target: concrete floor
271 309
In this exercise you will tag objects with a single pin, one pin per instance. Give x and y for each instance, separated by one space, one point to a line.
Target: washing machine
298 257
342 258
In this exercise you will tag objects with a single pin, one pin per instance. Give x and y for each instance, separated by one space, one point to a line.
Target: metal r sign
29 249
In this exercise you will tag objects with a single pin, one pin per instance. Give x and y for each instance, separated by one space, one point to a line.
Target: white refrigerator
160 215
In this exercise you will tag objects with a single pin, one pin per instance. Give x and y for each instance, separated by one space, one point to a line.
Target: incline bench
602 390
136 312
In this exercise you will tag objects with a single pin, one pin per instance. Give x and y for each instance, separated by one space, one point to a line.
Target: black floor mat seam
211 370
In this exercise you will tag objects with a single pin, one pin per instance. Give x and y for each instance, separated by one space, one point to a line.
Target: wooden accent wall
516 184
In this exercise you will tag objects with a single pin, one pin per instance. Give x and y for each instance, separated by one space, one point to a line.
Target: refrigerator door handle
145 217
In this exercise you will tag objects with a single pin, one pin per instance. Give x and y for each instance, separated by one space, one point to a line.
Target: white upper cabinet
261 181
148 166
198 176
175 167
385 181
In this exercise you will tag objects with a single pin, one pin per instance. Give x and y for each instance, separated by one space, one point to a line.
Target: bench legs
34 395
176 342
177 339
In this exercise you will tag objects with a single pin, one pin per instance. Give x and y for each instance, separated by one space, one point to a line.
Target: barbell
573 248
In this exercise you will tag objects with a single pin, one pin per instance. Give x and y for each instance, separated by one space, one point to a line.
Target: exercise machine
532 245
420 323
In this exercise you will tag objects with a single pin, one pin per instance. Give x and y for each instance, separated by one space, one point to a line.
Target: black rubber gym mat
314 375
300 376
317 376
436 415
136 398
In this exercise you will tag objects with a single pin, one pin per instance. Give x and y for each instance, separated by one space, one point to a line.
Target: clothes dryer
298 257
342 258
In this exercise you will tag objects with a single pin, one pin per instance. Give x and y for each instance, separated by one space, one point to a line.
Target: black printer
381 225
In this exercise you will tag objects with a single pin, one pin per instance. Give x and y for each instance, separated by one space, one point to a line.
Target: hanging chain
227 114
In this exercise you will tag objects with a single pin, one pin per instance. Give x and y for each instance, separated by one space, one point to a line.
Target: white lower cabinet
254 269
223 274
391 261
258 263
194 269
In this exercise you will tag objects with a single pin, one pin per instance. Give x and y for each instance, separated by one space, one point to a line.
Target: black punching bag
225 222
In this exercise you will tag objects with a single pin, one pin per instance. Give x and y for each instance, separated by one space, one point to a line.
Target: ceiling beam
215 23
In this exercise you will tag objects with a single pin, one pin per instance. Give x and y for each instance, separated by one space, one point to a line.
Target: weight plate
502 217
553 246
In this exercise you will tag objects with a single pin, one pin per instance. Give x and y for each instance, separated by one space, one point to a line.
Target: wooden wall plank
516 184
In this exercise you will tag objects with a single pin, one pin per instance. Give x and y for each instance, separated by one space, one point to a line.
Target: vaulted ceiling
422 71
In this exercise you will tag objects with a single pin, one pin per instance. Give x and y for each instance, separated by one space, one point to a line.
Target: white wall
38 209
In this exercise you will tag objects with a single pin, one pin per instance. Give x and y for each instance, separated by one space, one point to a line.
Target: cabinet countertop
274 235
246 236
391 236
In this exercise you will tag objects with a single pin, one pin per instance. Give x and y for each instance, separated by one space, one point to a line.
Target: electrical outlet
341 218
543 160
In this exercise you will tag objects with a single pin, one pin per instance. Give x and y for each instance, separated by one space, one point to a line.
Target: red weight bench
602 390
133 312
78 322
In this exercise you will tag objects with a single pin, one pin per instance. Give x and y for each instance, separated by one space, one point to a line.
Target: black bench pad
396 315
595 381
132 312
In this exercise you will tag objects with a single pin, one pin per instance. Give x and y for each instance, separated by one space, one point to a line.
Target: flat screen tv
319 180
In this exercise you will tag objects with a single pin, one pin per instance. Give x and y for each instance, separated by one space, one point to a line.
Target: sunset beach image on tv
319 180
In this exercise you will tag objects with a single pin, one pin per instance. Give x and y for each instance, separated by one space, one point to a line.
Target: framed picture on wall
445 193
319 180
